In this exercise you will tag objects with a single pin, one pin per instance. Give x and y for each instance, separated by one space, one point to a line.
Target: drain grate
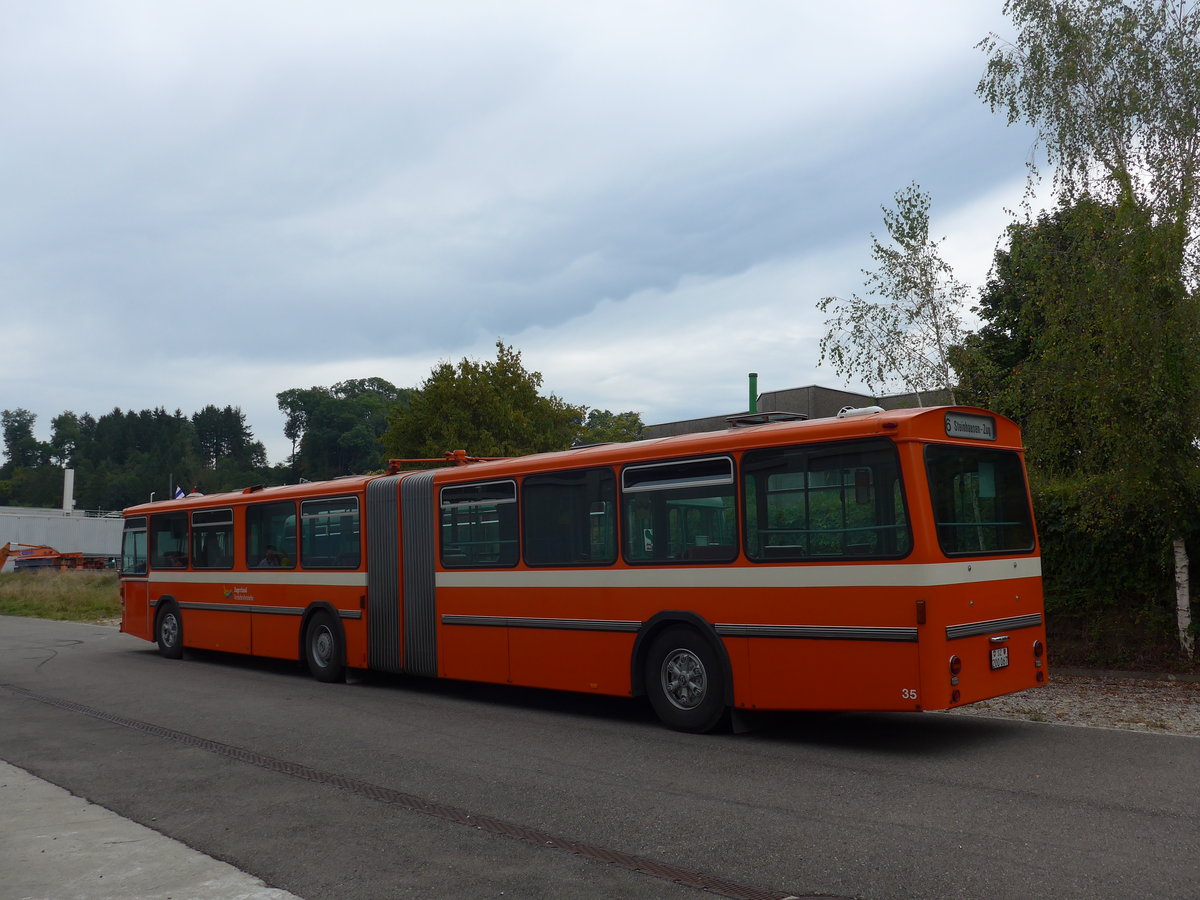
652 868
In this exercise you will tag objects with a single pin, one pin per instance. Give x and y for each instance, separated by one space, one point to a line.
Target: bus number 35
908 693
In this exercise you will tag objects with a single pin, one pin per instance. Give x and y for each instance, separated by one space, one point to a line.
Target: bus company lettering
238 593
980 428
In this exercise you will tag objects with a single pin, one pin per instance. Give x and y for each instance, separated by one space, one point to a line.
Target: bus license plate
999 657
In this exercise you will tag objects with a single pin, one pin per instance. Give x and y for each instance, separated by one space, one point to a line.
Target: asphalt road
396 787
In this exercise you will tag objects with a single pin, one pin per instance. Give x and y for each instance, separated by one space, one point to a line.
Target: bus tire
684 681
168 631
323 649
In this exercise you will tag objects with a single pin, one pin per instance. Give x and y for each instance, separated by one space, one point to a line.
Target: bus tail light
955 665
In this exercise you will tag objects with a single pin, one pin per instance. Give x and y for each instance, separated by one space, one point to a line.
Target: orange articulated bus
873 561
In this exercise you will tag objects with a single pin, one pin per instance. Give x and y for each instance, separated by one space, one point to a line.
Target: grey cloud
378 183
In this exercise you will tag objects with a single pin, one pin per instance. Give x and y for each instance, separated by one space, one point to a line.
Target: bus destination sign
977 428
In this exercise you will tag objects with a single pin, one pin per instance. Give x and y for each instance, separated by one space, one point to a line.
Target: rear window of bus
980 504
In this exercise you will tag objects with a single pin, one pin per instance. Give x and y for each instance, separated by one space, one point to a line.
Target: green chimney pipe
753 392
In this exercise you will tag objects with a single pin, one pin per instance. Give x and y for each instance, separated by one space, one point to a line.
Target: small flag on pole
178 493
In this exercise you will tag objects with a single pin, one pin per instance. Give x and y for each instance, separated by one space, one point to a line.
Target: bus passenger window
169 541
212 539
479 525
569 518
825 501
680 512
271 535
329 534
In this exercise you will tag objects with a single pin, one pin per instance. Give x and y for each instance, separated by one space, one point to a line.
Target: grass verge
66 596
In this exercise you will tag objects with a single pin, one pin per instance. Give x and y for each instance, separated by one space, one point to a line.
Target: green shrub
1109 582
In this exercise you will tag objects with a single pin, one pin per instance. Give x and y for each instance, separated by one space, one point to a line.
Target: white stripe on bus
764 576
793 576
282 577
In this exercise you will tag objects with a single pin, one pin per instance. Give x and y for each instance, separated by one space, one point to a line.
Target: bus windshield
979 500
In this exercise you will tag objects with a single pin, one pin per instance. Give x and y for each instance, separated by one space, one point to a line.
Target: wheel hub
323 647
684 680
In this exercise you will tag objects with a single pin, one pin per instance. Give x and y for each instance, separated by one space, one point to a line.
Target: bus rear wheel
168 632
684 681
323 650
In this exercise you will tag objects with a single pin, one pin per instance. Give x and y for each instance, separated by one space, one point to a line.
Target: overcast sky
211 202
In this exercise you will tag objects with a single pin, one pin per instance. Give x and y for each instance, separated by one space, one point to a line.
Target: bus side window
682 511
169 541
479 525
822 501
329 534
568 518
271 535
212 539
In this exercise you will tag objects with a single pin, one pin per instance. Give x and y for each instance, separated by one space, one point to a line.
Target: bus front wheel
168 632
684 681
323 650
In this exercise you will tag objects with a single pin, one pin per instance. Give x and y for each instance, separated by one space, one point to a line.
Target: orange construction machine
39 557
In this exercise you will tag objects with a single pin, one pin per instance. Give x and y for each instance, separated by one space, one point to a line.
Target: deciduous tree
490 408
604 426
337 430
1088 348
21 448
1113 89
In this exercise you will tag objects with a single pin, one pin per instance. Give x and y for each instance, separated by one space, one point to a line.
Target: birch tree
902 331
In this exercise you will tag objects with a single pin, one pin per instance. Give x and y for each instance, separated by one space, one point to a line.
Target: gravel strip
1163 705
